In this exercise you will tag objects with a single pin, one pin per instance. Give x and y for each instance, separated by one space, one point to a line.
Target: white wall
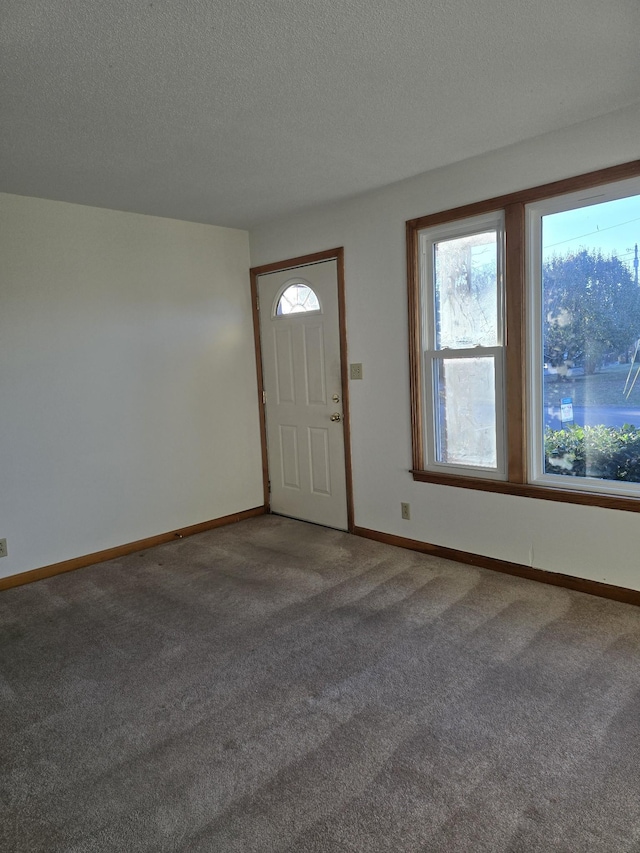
128 401
595 543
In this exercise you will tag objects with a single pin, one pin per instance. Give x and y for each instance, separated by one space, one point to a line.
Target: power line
590 233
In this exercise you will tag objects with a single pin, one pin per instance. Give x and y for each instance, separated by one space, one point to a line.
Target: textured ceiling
233 111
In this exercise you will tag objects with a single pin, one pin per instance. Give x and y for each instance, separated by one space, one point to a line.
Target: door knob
336 417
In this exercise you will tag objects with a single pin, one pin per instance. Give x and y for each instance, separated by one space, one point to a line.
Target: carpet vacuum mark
277 686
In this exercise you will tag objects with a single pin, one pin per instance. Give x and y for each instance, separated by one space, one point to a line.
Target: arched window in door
297 298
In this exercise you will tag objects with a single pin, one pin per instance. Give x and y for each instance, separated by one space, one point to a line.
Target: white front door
300 338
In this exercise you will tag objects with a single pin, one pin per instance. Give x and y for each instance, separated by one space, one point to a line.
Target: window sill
526 490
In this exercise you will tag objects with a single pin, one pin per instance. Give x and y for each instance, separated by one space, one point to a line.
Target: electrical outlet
405 511
3 547
356 371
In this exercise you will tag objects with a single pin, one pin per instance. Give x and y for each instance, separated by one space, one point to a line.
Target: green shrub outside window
608 453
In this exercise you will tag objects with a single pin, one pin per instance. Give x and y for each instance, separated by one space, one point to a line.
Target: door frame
336 255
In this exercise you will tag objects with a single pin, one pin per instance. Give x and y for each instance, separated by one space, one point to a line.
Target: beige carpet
276 686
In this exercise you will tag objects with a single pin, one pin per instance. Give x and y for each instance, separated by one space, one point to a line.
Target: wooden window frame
513 206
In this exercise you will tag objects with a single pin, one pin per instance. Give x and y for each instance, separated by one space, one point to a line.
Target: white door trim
281 266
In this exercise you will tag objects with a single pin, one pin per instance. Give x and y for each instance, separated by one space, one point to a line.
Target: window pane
466 411
466 291
591 326
297 298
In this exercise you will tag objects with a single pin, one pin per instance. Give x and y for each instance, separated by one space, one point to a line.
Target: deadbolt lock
336 398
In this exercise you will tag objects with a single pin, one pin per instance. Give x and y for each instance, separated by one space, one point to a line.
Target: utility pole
635 264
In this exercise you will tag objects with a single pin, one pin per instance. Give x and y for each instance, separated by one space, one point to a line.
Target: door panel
319 452
284 365
314 365
301 374
290 458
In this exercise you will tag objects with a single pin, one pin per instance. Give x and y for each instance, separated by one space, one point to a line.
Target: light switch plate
356 371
